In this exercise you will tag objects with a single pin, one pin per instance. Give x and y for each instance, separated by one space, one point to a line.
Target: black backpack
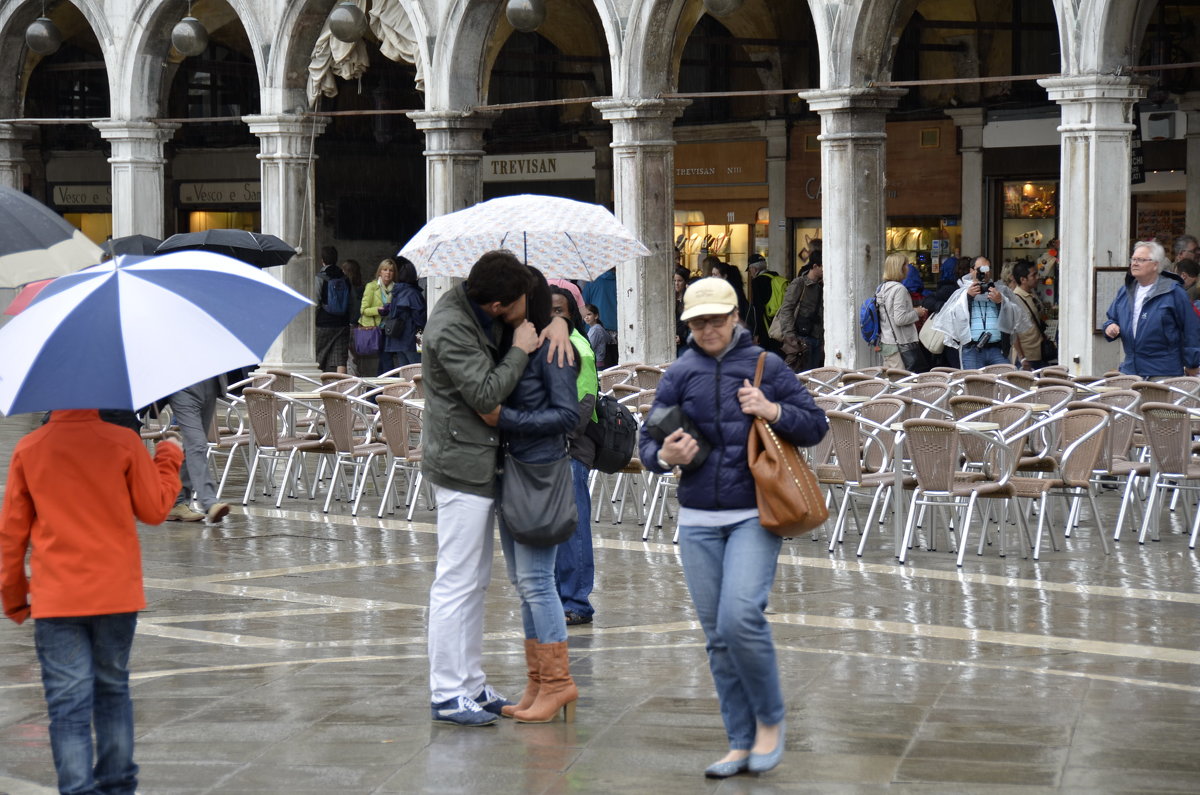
614 433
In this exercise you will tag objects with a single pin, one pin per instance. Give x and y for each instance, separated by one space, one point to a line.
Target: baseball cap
756 259
708 296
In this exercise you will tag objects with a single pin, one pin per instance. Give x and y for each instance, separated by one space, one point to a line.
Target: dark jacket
324 319
407 303
356 296
706 388
1168 334
803 310
541 411
760 296
937 299
464 375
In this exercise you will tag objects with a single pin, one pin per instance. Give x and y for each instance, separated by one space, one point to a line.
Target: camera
984 340
985 286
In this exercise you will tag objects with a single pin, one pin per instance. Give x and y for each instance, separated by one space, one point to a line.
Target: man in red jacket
75 486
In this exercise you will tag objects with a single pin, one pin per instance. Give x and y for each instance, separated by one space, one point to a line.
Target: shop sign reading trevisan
539 166
215 194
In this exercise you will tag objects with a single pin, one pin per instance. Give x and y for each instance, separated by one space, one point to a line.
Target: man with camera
978 313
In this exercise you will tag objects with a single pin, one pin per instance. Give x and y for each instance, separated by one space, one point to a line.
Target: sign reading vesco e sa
82 195
219 194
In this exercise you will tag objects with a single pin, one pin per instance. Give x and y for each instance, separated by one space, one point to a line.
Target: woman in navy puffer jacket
728 558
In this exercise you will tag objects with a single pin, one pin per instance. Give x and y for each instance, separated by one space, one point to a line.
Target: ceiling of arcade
765 44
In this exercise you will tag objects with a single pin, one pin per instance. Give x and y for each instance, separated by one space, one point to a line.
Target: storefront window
1029 230
697 240
97 226
202 220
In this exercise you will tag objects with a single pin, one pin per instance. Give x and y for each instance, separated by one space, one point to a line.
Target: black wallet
665 420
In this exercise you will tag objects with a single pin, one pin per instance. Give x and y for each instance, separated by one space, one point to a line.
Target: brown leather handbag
789 499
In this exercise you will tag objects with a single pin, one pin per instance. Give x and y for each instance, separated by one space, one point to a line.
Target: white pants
464 568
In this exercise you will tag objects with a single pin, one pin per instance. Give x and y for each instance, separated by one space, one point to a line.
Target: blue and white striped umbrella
124 333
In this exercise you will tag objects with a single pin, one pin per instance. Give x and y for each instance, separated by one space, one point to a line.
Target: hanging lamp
188 36
526 15
43 36
347 22
722 8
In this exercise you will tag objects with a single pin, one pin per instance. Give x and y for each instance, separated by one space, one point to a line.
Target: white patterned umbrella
562 238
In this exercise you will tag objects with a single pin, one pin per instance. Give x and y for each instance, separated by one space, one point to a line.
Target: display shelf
1026 199
1025 235
730 242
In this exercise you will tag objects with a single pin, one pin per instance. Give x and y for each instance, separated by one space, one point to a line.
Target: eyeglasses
1141 260
701 323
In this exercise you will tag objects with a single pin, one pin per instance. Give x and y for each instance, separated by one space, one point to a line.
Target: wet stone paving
283 651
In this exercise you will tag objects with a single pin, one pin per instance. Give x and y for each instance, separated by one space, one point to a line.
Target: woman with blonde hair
898 318
377 299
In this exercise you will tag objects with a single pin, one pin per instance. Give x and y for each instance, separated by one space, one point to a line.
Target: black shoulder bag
537 501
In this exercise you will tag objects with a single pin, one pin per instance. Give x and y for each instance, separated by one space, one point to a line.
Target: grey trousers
193 409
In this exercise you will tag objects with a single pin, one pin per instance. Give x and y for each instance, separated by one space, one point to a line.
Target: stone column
970 122
12 154
853 168
139 197
778 259
644 198
601 143
453 179
1190 102
1093 207
288 211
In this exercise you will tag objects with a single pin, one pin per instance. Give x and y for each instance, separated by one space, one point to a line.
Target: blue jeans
729 572
389 360
973 358
531 570
85 673
574 568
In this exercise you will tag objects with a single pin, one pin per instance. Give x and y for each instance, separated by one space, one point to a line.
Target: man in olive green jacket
466 378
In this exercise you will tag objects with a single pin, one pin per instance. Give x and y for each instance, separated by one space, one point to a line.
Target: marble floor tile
284 651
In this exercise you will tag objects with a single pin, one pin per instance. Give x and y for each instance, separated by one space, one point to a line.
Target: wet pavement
283 651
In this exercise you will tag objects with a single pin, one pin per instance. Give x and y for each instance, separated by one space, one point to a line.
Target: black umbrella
257 249
37 243
138 245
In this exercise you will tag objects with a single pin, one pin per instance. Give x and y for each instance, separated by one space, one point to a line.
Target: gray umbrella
37 243
138 245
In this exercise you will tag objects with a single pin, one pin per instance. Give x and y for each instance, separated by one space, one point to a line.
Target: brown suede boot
556 691
531 689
